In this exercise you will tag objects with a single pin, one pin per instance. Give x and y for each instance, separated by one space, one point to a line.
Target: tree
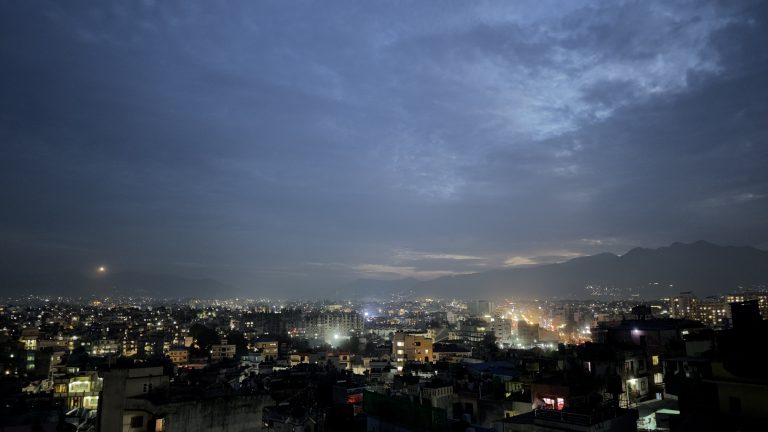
489 343
238 340
204 337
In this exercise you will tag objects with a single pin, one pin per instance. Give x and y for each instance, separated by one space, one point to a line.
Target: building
501 328
745 314
179 355
683 305
607 419
450 352
268 347
712 311
659 338
761 297
223 351
333 327
481 308
527 334
116 412
142 400
410 347
78 391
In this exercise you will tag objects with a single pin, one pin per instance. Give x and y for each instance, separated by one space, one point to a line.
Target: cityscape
402 363
383 216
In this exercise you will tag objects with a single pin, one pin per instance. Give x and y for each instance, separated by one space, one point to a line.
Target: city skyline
291 149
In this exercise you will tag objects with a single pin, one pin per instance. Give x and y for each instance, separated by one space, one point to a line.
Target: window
401 344
418 343
655 360
658 378
160 425
79 386
137 421
91 402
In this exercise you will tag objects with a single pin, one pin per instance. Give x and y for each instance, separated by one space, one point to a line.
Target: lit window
79 386
401 344
655 360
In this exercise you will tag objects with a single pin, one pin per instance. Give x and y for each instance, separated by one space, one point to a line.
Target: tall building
410 347
683 305
501 328
527 334
333 326
712 311
481 308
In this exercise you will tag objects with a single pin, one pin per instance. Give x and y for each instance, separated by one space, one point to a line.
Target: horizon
125 283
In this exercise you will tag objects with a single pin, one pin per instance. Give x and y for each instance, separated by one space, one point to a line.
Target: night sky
293 146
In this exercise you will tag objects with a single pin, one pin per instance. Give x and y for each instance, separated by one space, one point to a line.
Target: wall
229 414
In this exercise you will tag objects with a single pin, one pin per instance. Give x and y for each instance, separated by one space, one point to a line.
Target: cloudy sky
292 146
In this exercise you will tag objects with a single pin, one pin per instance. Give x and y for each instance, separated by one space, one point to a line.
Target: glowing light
102 269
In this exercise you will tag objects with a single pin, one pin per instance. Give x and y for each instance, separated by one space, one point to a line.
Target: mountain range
702 267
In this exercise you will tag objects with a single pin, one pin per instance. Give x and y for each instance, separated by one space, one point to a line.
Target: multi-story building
501 328
267 347
332 326
410 347
481 308
712 311
222 351
683 305
78 391
119 386
179 355
527 334
761 297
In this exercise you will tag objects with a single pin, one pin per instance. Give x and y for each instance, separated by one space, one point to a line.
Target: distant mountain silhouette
375 289
121 283
702 267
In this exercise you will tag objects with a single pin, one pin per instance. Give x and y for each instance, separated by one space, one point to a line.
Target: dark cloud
296 146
